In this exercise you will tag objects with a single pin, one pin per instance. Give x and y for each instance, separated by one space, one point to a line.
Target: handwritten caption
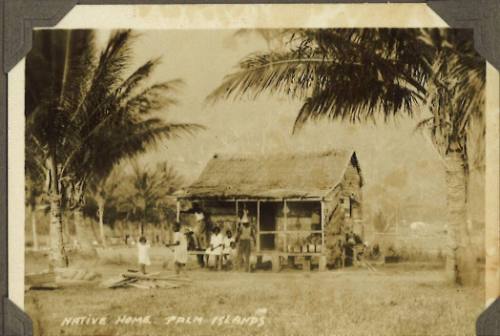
256 320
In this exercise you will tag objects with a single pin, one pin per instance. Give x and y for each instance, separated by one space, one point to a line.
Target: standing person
216 247
143 254
349 249
244 237
180 248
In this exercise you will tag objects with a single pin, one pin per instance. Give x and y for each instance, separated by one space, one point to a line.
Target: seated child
229 251
143 254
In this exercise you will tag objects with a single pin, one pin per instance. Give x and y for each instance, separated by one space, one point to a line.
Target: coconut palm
357 75
86 115
57 66
34 190
148 193
104 191
120 124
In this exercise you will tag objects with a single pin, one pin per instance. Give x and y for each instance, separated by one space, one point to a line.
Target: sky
392 156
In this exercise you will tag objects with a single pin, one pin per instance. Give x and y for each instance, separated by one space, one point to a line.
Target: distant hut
301 205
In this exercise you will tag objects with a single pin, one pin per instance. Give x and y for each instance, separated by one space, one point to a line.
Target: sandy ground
398 300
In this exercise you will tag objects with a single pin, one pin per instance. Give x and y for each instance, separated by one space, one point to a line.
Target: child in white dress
143 254
180 248
216 247
229 251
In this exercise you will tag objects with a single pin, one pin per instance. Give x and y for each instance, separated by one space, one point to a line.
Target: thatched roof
311 175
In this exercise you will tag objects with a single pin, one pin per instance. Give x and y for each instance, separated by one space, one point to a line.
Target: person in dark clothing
349 249
245 236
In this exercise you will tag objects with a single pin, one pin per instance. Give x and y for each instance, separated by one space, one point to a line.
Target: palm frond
287 73
339 74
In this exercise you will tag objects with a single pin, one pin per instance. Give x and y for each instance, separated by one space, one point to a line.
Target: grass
394 301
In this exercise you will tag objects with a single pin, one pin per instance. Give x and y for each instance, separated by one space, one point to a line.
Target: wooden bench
196 252
289 256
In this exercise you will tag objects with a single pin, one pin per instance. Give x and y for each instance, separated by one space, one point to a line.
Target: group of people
231 251
180 250
348 251
224 250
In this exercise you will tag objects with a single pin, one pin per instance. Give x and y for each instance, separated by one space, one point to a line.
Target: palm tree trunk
57 255
462 262
83 232
33 227
100 204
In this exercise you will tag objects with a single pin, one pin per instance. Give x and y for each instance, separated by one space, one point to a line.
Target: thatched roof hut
303 175
299 204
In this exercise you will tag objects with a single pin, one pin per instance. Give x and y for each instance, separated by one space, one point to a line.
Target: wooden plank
285 216
258 225
290 231
122 283
39 278
46 286
155 276
315 199
322 263
300 231
141 286
196 252
276 263
286 254
139 275
322 227
307 264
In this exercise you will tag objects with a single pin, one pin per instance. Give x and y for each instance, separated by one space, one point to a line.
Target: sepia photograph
294 181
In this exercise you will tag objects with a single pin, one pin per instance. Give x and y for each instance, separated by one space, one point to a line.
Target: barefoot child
180 248
143 254
229 249
216 247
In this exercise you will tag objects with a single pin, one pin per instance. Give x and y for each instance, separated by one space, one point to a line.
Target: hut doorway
268 219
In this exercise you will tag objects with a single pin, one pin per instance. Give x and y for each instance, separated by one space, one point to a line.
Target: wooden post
285 216
306 266
322 228
275 263
258 226
322 263
178 212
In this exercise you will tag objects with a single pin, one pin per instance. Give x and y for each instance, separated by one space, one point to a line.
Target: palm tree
104 191
119 124
358 75
148 192
85 115
57 66
34 173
